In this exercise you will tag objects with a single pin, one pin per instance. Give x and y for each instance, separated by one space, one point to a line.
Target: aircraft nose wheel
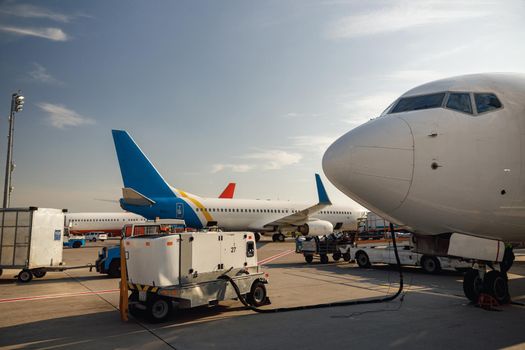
494 283
472 285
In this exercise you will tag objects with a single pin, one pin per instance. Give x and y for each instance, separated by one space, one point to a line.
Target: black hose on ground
325 305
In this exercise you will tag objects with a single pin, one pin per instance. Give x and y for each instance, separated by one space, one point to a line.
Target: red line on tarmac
275 257
107 291
55 296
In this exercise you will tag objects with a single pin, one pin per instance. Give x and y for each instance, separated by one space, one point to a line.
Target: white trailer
367 253
184 270
31 240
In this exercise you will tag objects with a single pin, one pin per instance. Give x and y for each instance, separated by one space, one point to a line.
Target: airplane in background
112 223
447 159
146 193
228 191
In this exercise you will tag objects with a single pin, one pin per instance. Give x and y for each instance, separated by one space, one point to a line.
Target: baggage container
31 240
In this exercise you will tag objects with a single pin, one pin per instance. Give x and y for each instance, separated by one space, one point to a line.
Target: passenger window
486 102
419 102
460 102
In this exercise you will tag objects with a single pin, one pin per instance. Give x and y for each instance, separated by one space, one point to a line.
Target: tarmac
79 309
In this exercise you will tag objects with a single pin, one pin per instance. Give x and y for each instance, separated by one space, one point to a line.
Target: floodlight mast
17 105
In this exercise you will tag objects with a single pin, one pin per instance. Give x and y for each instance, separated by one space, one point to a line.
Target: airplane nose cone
373 163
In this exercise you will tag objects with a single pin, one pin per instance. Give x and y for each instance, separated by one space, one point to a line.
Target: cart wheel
309 258
132 308
280 237
158 308
257 296
114 268
324 258
257 236
336 256
362 259
347 257
39 273
430 264
25 276
76 244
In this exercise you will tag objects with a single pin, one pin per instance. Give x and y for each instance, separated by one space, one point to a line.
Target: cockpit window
460 102
419 102
486 102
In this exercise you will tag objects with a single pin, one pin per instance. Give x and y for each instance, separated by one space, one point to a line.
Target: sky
251 92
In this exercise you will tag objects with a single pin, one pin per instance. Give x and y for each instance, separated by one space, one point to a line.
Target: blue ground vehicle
108 261
74 242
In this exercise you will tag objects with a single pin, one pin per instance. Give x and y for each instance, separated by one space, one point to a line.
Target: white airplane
112 223
146 193
447 159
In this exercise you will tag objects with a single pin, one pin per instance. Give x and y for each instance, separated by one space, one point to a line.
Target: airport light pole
17 104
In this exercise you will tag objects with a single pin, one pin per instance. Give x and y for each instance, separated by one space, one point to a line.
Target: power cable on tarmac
325 305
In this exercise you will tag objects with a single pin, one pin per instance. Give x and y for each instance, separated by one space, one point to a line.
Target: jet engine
316 228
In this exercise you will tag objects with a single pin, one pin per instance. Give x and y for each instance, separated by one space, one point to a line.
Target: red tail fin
228 191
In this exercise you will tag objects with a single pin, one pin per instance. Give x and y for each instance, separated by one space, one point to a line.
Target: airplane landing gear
278 237
494 283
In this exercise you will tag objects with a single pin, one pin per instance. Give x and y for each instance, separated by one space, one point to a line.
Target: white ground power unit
183 270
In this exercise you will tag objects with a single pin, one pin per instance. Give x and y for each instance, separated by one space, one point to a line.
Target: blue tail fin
321 192
137 171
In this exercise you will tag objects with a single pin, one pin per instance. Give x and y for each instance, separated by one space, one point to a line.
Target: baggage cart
337 244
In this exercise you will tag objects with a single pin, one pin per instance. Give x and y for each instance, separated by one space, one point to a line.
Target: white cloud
262 160
274 159
61 117
40 74
404 15
236 168
31 11
55 34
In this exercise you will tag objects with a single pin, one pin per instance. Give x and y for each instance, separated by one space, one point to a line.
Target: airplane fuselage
238 214
111 223
441 170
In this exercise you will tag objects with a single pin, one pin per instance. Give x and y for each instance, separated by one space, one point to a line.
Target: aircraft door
179 211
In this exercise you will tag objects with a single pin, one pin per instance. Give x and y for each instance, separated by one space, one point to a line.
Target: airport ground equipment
108 261
373 226
31 240
336 244
370 252
74 241
184 270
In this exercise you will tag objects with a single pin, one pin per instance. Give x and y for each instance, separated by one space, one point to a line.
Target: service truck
370 252
167 270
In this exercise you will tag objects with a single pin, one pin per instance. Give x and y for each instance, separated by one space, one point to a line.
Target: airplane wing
301 216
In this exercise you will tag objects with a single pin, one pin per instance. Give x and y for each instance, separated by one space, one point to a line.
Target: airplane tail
321 192
138 174
228 191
